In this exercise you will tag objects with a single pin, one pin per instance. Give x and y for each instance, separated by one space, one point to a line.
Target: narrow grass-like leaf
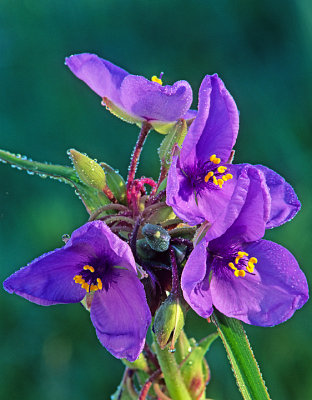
241 357
92 198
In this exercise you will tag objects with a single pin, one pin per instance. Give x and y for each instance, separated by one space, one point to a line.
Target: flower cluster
207 234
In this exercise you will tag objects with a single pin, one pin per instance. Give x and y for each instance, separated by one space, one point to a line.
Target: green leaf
92 198
241 357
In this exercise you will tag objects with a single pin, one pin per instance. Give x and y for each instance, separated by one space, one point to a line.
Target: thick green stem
171 371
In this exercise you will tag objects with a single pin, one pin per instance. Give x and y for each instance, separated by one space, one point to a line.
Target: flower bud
169 322
115 182
88 170
157 237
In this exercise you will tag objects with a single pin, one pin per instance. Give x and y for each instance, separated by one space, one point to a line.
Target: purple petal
269 297
215 128
49 279
195 281
121 316
151 101
103 77
99 241
222 206
285 203
181 195
250 224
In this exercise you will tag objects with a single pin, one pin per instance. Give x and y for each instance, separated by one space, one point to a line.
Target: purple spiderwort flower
256 281
132 97
202 185
93 262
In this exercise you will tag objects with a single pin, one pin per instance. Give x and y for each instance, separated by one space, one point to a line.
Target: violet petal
151 101
269 297
195 281
49 279
103 77
285 203
121 316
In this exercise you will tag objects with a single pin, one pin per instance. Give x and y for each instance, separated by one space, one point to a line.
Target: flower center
243 264
217 175
156 79
88 279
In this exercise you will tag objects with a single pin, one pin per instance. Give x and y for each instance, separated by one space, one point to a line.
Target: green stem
171 371
241 357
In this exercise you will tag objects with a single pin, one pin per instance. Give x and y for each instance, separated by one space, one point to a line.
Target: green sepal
91 198
161 215
176 135
116 183
241 357
139 364
194 369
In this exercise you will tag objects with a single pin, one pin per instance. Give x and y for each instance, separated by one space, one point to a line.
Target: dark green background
262 51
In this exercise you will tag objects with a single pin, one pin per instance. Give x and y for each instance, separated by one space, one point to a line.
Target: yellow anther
215 180
220 183
212 157
89 268
242 254
85 285
253 260
157 80
231 265
217 161
237 259
229 176
221 169
224 178
208 176
94 287
99 284
250 267
239 272
77 278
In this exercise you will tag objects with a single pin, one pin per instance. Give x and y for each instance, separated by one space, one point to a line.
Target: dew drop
30 173
65 237
171 350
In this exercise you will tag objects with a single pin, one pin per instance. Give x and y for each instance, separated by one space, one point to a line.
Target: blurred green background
262 51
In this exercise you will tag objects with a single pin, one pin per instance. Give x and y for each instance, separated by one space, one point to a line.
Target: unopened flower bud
169 322
88 170
157 237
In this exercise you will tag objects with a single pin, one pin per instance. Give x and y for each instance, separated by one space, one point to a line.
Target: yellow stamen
229 176
231 265
220 183
99 284
250 267
212 157
241 272
253 260
77 278
157 80
242 254
217 161
215 180
224 178
85 286
221 169
208 176
88 267
94 287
